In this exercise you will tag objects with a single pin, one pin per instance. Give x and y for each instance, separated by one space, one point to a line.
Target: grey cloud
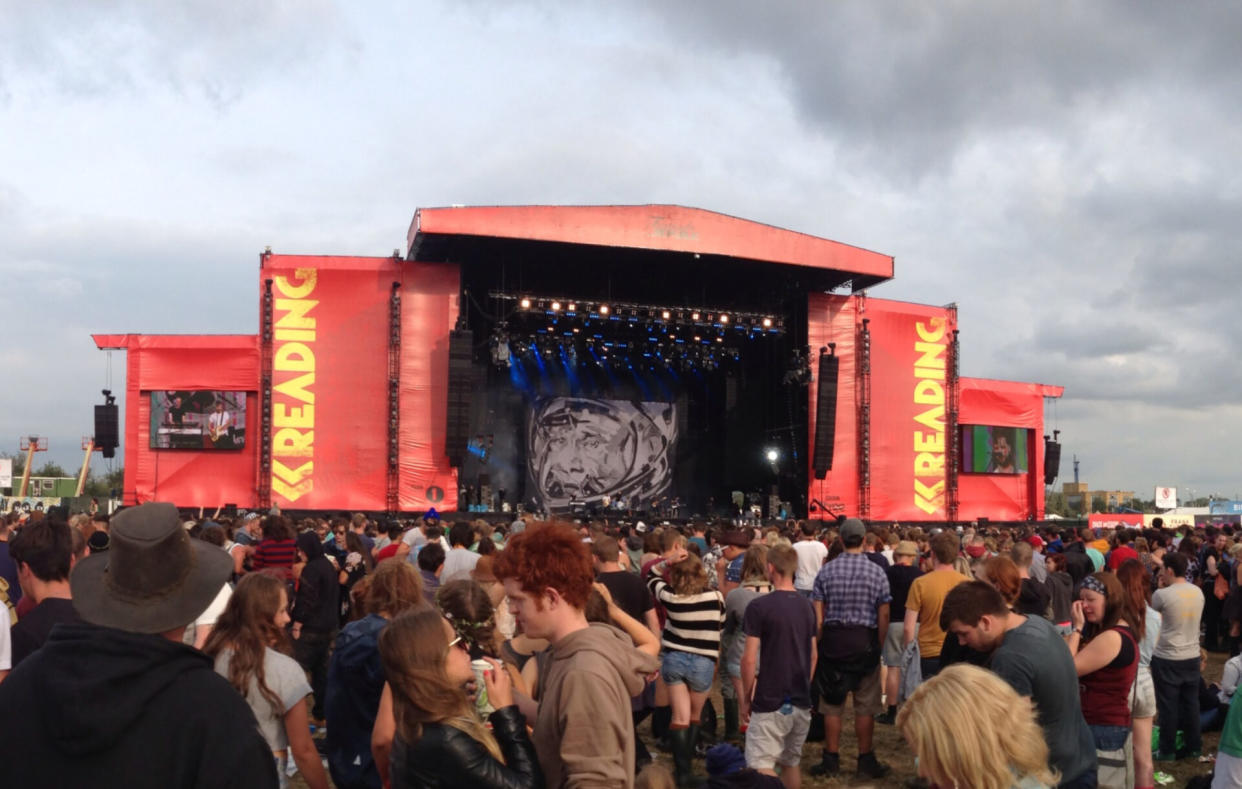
90 49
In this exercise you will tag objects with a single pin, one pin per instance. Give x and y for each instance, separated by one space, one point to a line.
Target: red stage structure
347 380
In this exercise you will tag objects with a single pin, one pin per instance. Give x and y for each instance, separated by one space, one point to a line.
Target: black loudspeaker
106 421
825 414
460 383
1052 460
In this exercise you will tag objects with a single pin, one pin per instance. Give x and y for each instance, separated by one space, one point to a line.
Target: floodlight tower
30 445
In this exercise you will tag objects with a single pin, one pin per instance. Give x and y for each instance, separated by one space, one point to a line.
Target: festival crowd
148 649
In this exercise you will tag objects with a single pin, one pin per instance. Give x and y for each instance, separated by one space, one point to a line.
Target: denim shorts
695 671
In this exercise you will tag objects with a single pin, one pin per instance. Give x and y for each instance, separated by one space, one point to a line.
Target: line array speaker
106 433
1052 460
825 414
460 383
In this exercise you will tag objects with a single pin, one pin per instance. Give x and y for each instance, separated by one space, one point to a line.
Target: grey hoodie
584 734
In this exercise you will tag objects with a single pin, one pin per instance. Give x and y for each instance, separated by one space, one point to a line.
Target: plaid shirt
851 587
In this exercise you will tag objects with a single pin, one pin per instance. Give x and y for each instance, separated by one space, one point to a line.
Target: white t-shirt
811 555
286 679
458 563
209 617
6 646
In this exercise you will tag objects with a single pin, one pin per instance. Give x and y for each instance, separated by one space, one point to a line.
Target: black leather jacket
448 758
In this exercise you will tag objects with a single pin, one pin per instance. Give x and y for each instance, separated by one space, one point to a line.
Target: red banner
910 346
834 319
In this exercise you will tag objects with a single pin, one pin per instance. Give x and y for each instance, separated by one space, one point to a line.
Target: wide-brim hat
154 578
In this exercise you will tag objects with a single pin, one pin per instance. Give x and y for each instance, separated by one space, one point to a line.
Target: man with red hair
583 732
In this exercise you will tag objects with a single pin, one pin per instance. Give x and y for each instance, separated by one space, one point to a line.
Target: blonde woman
968 728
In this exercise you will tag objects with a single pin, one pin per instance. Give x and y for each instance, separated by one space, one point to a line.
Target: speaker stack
825 413
460 384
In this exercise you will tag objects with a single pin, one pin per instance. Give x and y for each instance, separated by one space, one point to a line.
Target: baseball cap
852 527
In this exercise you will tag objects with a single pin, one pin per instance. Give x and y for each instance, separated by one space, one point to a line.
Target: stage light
772 455
666 315
525 304
720 339
556 305
694 316
603 309
767 323
572 307
724 318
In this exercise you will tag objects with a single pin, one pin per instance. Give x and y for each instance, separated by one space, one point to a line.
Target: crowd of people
371 653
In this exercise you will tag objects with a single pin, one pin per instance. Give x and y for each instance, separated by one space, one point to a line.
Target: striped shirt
694 620
276 554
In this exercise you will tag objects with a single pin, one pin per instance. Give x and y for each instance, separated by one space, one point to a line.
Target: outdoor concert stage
656 358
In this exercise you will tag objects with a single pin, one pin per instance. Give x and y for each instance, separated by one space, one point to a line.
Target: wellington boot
682 748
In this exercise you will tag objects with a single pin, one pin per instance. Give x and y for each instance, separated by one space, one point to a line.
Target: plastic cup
481 703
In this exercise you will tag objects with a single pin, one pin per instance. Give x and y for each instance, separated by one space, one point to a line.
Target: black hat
154 578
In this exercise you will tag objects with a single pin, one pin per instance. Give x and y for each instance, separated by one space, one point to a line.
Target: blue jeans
1109 738
1177 702
696 671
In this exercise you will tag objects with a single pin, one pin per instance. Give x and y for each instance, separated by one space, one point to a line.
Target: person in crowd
1104 644
1175 662
755 582
440 741
851 600
691 640
780 632
394 547
43 553
733 545
1039 565
459 560
1228 769
1061 592
969 728
1231 609
316 615
431 568
358 525
277 551
354 566
1137 585
583 730
10 588
925 599
1034 598
1002 573
1029 655
250 532
901 577
196 633
1077 561
356 677
467 607
250 649
811 556
89 705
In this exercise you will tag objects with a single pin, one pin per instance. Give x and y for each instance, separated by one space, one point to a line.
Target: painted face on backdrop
583 449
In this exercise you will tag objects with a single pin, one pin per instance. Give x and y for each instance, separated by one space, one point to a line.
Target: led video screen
199 419
993 450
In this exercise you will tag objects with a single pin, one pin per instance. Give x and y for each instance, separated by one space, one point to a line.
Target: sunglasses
456 642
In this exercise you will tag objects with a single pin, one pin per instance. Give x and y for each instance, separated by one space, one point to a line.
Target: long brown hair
1001 572
1136 583
469 610
394 587
248 627
1117 606
687 577
413 648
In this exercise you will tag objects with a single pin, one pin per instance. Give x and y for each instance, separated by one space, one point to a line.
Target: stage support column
953 461
864 420
394 399
264 486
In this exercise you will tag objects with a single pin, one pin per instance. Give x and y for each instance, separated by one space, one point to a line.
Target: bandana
975 551
1094 584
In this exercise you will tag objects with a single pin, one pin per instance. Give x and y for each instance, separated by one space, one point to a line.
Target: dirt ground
892 750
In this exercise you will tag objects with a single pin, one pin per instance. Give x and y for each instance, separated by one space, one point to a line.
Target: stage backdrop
588 450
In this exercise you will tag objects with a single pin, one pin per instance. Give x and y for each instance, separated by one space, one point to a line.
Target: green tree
1098 504
101 485
49 469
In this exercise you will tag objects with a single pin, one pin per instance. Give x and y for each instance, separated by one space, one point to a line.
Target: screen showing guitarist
219 423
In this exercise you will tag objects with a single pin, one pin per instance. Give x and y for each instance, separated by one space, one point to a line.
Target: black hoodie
101 707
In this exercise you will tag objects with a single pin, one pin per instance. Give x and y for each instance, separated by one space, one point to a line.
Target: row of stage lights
640 313
655 354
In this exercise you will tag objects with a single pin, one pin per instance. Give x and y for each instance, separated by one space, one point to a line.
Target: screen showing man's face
1002 453
583 454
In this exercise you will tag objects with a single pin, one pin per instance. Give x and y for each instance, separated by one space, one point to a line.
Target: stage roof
460 234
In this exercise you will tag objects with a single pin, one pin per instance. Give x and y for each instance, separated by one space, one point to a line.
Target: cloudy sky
1070 174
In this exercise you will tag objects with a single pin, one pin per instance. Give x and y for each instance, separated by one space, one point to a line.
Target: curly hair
968 727
395 587
548 556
